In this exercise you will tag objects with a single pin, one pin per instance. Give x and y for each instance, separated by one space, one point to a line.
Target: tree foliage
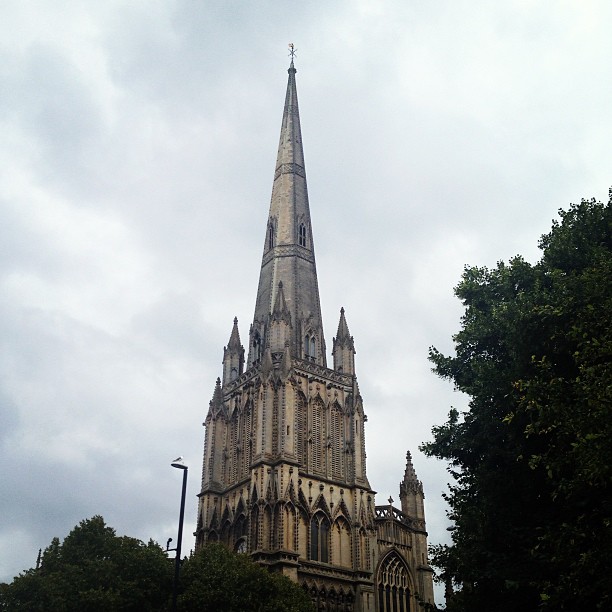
532 457
217 580
93 569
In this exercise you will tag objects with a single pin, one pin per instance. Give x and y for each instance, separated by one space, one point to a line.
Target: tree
217 580
531 458
93 570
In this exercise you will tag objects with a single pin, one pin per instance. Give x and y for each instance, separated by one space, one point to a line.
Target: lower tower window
319 538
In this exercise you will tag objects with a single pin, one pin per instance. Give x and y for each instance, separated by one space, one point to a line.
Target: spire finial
292 51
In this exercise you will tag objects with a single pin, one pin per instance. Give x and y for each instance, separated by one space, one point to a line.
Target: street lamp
179 464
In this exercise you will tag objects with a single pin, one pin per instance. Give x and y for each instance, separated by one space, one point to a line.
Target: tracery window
302 236
393 584
319 538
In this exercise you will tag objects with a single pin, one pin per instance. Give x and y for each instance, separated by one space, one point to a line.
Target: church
284 474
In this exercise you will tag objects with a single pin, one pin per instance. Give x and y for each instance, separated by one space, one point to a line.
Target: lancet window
302 235
270 236
319 538
256 347
310 347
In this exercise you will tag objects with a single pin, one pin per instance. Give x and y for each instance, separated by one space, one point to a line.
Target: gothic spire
233 356
234 341
288 256
343 348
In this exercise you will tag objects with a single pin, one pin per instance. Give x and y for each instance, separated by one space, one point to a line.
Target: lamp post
179 464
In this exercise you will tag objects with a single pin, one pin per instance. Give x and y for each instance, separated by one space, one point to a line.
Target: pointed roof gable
280 312
288 248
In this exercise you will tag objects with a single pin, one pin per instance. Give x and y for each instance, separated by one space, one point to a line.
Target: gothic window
393 584
240 527
310 347
319 538
241 546
270 236
233 374
256 347
302 237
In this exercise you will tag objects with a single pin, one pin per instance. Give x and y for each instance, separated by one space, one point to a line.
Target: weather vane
292 51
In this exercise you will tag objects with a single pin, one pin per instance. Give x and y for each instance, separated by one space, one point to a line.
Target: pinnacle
343 335
234 341
280 310
409 474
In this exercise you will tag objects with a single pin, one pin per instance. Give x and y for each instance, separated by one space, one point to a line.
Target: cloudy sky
137 150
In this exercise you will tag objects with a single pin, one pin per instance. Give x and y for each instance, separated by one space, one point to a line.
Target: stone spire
288 255
344 348
233 356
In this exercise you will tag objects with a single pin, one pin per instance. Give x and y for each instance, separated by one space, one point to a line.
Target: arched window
256 347
393 584
319 538
302 236
270 236
310 347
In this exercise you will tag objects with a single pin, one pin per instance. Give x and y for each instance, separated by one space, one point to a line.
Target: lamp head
179 463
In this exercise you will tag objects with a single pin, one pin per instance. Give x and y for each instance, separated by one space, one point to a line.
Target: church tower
284 475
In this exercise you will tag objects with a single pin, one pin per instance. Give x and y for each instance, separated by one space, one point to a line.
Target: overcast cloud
137 155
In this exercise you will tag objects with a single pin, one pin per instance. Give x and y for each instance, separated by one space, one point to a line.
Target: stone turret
411 494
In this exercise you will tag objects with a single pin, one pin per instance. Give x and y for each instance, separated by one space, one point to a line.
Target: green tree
531 458
93 570
217 580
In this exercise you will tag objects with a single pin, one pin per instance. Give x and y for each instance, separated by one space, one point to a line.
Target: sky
137 151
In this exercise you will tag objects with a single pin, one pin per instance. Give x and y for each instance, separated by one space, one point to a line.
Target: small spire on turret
411 494
216 403
234 341
343 350
233 356
409 473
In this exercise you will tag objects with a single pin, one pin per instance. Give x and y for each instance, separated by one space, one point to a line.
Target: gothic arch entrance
394 585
